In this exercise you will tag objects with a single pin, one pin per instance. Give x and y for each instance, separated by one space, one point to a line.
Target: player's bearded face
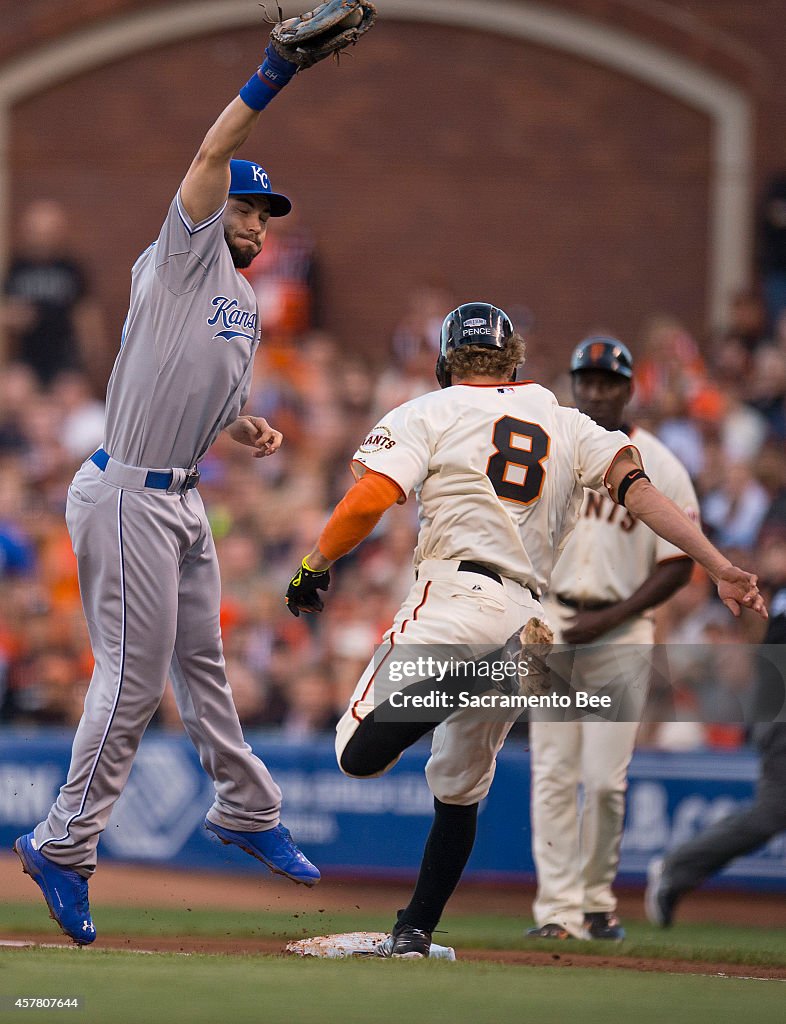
245 224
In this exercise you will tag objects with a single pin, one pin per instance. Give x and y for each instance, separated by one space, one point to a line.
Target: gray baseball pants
149 580
689 864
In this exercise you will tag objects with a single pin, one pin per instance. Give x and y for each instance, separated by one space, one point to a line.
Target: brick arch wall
586 202
727 36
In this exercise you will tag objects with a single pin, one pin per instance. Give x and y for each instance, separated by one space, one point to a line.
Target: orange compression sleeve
357 514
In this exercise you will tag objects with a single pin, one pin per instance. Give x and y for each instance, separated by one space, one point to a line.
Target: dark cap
599 352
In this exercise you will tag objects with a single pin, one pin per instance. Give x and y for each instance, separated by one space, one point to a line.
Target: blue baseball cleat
274 848
64 890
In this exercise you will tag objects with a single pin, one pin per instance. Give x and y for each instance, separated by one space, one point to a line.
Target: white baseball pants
576 845
460 610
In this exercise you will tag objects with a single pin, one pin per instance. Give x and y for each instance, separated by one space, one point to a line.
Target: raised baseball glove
530 647
329 28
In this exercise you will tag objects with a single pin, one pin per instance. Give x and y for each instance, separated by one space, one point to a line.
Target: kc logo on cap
248 178
260 175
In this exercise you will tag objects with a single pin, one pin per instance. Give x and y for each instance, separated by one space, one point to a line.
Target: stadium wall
494 165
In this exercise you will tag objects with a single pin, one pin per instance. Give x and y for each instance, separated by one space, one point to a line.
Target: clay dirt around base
144 887
188 945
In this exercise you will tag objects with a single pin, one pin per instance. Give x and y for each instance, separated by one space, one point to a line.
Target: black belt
481 570
584 606
161 481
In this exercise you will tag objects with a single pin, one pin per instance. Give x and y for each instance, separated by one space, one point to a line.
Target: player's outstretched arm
295 44
736 587
352 521
206 183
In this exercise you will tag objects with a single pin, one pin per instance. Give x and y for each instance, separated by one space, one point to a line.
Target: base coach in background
612 571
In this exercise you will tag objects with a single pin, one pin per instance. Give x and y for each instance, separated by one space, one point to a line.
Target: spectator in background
284 278
772 469
778 339
81 414
410 369
741 429
768 388
747 320
734 512
674 392
413 336
772 247
49 317
671 375
17 551
312 705
18 390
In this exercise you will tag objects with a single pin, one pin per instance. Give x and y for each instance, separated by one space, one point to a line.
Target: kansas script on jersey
499 472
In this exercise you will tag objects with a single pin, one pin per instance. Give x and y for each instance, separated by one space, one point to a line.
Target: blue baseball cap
249 179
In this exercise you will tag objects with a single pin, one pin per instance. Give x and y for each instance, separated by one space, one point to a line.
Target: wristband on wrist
307 567
269 79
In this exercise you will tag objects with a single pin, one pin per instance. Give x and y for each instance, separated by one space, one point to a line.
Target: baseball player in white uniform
612 571
499 471
148 572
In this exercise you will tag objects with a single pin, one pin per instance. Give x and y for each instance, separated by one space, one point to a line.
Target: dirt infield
146 888
123 885
517 957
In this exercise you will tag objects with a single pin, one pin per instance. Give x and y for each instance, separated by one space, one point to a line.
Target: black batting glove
302 593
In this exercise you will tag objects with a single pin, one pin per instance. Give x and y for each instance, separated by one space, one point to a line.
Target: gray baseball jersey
184 368
148 573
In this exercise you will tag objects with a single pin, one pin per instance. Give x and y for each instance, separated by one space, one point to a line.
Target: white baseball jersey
498 470
610 554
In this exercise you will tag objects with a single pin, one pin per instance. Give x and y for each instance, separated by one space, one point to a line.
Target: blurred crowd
719 403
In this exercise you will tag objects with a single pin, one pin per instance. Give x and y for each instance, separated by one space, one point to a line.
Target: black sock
447 851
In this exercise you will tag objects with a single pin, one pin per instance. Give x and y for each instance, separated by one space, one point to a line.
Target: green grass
127 988
696 942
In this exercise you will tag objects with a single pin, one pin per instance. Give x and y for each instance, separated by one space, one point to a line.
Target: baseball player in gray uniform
499 470
148 572
612 571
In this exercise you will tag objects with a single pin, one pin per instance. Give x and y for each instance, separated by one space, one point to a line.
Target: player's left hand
302 593
586 626
257 433
739 589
